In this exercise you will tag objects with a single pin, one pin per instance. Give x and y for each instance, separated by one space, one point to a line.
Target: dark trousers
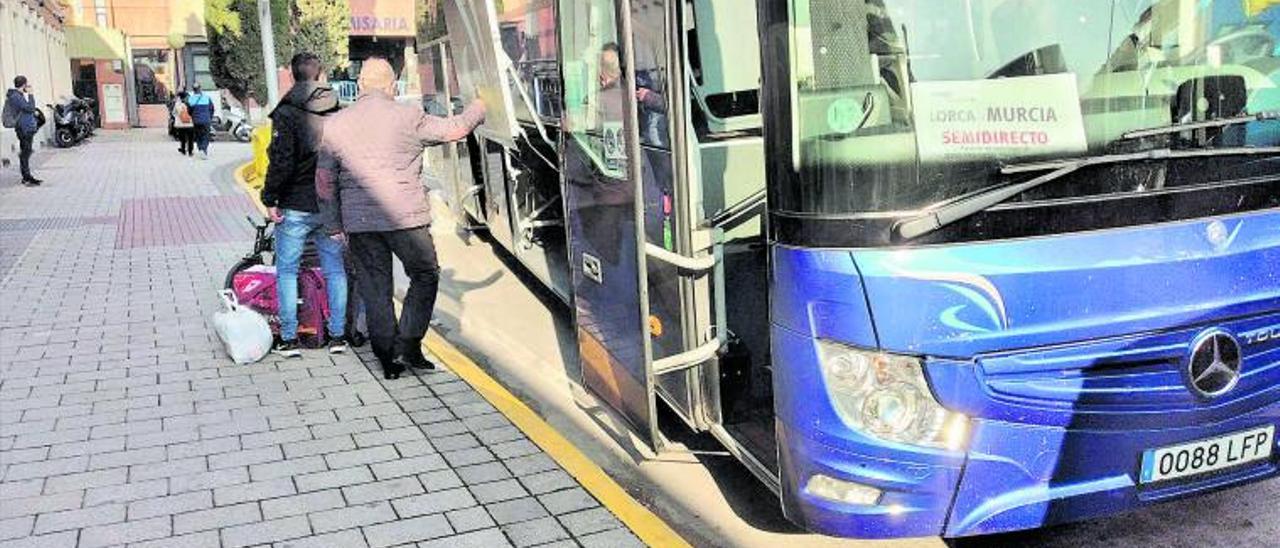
372 252
202 136
186 140
24 153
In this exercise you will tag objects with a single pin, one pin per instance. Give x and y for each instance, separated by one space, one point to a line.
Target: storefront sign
395 18
1002 118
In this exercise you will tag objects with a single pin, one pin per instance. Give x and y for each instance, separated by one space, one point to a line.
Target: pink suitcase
255 287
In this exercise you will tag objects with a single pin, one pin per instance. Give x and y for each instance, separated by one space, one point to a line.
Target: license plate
1199 457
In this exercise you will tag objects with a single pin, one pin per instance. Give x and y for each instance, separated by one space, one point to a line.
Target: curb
646 525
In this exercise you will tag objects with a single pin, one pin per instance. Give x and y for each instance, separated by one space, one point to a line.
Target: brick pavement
121 423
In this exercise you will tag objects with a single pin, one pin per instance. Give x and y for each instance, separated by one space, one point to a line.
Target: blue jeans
201 132
290 237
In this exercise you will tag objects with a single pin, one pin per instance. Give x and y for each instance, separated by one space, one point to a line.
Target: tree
430 20
319 26
235 44
220 18
322 27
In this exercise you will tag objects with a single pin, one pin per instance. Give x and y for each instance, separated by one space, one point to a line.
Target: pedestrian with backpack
297 127
202 110
22 116
183 127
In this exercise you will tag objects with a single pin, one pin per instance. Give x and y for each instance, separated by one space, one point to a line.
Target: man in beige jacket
369 185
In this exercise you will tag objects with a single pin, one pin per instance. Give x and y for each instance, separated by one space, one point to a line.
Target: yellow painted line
646 525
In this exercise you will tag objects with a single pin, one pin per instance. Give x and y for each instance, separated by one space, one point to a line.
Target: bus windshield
900 105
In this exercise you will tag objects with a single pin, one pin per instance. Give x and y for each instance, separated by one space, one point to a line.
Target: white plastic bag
244 333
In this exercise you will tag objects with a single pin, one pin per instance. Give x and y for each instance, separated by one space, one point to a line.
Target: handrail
711 348
690 264
688 359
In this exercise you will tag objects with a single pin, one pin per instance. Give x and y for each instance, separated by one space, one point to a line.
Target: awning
94 43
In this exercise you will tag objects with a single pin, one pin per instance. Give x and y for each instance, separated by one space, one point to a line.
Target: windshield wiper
1207 124
931 221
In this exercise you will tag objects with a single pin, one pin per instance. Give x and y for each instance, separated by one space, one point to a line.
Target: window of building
100 12
151 76
199 68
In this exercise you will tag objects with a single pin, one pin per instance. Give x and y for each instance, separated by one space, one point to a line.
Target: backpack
10 117
255 289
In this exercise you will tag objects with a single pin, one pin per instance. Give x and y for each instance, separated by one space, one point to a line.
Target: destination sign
1007 117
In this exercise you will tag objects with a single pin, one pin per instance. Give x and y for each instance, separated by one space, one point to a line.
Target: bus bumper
1021 477
913 502
1016 477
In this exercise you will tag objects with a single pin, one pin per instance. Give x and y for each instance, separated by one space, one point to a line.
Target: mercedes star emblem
1214 366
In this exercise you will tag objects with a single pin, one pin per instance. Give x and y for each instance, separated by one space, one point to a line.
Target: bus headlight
886 396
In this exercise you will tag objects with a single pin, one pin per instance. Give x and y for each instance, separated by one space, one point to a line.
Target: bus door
482 68
602 210
683 258
449 162
699 214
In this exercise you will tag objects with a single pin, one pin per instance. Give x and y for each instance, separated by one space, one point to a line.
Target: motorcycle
86 116
68 123
232 120
74 121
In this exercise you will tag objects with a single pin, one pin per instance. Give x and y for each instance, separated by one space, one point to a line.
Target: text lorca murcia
997 115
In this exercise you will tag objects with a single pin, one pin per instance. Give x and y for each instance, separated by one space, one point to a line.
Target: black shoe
31 181
357 339
390 369
288 349
338 345
418 361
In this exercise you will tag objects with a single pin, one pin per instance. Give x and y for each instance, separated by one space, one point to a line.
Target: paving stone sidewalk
123 424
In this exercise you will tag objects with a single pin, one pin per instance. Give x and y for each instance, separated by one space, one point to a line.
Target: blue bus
927 267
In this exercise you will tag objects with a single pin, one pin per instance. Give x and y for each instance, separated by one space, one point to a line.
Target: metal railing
347 90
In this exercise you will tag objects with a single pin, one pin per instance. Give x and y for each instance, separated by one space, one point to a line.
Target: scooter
67 125
234 121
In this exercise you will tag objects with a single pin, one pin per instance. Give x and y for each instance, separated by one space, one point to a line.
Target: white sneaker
204 155
338 345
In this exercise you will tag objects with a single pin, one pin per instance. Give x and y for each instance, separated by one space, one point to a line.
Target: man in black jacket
290 197
21 108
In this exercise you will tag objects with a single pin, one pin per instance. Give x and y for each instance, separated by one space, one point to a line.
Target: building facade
165 49
381 28
32 44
